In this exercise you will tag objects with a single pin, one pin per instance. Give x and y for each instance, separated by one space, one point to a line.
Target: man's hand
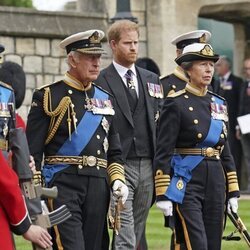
38 236
32 164
166 207
232 205
120 190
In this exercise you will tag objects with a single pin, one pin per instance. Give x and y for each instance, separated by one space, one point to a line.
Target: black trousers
200 216
87 197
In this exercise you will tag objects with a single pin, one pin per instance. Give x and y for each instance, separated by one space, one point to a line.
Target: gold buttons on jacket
199 135
173 87
222 136
196 121
98 137
191 108
186 96
98 152
212 98
80 166
218 147
70 91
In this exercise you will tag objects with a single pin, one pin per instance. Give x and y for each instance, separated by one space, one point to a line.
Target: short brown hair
115 30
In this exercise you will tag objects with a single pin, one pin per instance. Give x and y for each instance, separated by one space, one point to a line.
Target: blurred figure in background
244 110
13 74
230 87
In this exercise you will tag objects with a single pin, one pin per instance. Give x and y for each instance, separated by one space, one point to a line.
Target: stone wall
31 39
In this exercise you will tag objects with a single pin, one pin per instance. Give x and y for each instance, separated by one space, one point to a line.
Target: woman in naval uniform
193 163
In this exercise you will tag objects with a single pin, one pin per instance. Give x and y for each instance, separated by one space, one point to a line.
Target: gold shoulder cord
57 114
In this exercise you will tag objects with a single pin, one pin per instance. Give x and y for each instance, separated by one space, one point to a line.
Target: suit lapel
115 83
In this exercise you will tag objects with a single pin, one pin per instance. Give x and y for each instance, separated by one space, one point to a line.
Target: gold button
199 135
98 152
70 91
98 137
212 98
80 166
186 96
196 121
173 86
222 136
191 108
218 147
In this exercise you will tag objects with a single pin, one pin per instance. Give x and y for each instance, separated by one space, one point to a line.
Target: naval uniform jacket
174 82
110 80
184 122
103 144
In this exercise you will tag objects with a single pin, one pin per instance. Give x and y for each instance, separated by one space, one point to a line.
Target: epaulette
178 93
212 93
164 77
3 84
104 90
47 85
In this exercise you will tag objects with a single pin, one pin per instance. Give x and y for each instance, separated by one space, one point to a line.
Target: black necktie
131 87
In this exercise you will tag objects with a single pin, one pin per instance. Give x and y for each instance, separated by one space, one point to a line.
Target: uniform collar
195 90
74 83
179 72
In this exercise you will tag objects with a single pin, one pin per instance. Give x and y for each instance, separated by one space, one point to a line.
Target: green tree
17 3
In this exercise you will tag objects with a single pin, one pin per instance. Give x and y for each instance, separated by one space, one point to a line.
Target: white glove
120 190
166 207
232 205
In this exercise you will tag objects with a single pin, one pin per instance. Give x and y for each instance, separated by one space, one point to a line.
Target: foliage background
17 3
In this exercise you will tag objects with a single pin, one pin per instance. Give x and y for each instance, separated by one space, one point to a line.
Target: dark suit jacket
110 80
232 97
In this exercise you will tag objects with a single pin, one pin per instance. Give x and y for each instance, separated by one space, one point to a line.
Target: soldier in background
13 212
178 80
71 124
13 74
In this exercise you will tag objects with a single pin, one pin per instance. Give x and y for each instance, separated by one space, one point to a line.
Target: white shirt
123 70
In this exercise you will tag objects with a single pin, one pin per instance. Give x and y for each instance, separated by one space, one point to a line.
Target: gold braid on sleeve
57 114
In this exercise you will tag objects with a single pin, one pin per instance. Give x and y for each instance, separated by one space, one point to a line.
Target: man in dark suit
229 86
245 110
137 93
178 80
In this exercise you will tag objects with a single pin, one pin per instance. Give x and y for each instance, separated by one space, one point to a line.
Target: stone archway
238 14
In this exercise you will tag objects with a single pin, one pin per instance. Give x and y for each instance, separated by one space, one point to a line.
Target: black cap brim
190 57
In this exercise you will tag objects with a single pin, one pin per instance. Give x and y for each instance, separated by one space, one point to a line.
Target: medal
105 124
105 145
180 184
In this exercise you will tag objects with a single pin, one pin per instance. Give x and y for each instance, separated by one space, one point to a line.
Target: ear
72 61
112 44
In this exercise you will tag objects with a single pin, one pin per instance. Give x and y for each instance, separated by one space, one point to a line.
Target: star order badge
180 184
105 145
105 124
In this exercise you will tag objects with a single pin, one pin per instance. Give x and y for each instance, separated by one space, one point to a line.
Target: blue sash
183 166
85 130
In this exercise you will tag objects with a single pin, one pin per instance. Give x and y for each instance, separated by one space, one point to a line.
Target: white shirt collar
123 70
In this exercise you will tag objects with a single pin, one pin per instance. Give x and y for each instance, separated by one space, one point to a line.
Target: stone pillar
239 48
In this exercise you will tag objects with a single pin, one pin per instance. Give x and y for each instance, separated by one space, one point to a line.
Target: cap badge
95 37
207 51
203 38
